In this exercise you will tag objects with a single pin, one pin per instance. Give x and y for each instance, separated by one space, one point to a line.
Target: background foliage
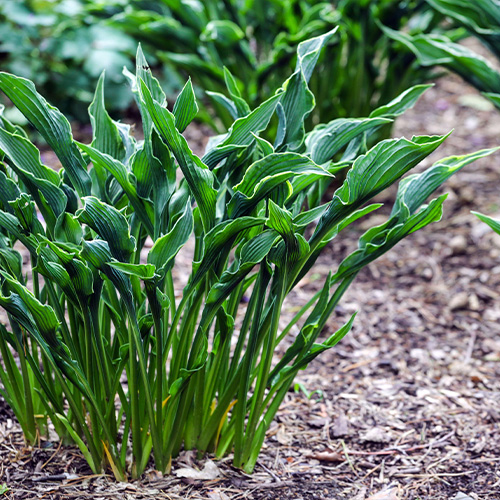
60 47
380 49
63 47
480 19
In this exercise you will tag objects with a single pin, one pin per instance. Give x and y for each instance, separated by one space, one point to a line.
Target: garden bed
409 401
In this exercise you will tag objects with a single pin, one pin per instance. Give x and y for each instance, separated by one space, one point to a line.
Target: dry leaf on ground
209 472
390 494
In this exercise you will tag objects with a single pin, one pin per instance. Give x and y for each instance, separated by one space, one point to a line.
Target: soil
407 406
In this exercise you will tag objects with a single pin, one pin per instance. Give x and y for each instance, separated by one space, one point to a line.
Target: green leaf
309 51
241 106
55 272
493 223
142 208
253 252
481 15
150 171
12 261
106 136
43 315
8 191
25 210
481 18
415 189
220 239
317 349
298 101
142 271
80 275
51 124
109 224
11 224
199 178
68 229
378 240
303 219
222 32
326 140
185 107
226 103
265 175
243 131
232 86
143 72
494 98
301 182
372 173
404 101
97 253
167 246
438 50
41 181
281 221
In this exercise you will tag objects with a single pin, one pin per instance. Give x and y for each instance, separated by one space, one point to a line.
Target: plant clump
98 344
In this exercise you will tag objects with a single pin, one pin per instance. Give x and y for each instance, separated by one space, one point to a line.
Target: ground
407 406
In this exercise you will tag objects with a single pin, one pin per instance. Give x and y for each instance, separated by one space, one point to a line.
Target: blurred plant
60 48
480 19
380 49
98 341
257 41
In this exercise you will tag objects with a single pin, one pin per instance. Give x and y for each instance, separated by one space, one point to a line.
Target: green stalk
169 289
100 349
134 403
179 357
261 431
29 421
247 319
160 372
264 365
297 317
10 390
34 274
177 434
172 332
135 337
215 418
74 329
77 410
247 365
54 302
88 347
196 420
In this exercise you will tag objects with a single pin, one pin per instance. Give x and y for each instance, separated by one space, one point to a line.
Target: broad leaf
199 178
110 224
105 132
51 124
265 175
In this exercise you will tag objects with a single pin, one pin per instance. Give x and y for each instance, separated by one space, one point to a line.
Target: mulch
406 407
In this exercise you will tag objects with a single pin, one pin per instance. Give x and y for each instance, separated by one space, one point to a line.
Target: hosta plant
257 42
95 340
480 19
